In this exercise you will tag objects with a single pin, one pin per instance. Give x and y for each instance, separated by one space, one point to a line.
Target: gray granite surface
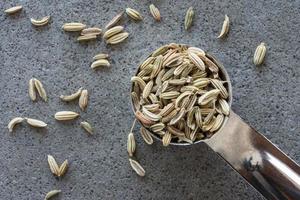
267 97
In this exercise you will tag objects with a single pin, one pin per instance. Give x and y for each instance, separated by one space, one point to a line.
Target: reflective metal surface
262 164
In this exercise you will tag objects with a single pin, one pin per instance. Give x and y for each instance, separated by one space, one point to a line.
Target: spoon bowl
223 75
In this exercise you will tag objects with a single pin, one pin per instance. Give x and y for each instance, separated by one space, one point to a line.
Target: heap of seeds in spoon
179 95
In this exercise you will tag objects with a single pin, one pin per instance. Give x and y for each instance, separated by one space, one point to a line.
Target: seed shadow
40 131
16 16
102 70
42 28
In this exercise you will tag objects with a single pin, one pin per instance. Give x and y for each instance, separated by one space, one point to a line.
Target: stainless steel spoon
259 161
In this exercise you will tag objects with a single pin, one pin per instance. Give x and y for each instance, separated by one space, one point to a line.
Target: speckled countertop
267 97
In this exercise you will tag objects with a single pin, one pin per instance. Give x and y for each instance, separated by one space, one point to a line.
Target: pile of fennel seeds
178 94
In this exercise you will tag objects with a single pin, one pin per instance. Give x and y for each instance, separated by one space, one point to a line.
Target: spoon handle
259 161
